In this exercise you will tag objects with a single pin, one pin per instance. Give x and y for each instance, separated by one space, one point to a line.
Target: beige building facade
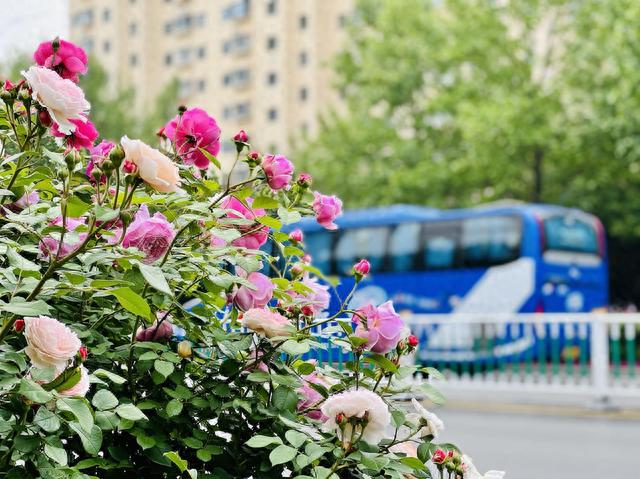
261 65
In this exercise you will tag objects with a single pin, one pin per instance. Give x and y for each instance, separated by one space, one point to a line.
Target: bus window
318 245
568 233
488 241
355 244
405 242
440 244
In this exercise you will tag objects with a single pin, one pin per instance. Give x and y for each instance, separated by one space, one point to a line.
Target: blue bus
496 258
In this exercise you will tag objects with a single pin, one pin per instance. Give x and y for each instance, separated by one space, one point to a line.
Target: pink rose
304 180
154 332
216 242
99 153
278 171
296 236
192 130
254 235
311 397
327 209
83 136
49 245
382 329
49 342
362 267
68 61
438 456
81 388
150 234
63 99
266 323
153 167
317 299
355 404
26 200
246 298
241 137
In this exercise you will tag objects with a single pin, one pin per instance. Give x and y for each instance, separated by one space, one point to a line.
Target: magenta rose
192 130
99 153
26 200
254 235
83 136
327 209
278 171
150 234
49 245
68 61
382 329
259 296
157 331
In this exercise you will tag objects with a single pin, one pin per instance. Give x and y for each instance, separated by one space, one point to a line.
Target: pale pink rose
253 235
153 167
69 60
382 329
266 322
190 132
150 234
357 403
154 332
49 342
63 99
278 171
26 200
471 472
408 448
327 209
318 299
310 397
216 242
255 362
49 245
81 388
246 298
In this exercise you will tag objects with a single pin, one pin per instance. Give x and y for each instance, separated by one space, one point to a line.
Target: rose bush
145 334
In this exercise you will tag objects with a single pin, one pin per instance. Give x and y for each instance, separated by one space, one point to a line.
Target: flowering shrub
104 369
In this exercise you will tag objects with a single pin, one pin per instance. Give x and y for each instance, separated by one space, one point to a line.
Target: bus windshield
568 233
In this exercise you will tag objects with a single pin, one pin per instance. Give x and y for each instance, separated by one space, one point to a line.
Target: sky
25 23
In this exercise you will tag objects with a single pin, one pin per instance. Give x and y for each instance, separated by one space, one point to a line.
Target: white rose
431 424
49 342
63 99
471 472
154 168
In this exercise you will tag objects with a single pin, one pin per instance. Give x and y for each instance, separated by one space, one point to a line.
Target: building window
87 44
272 6
342 21
303 22
303 94
272 43
133 28
237 78
304 127
238 111
201 52
236 10
106 46
272 114
237 44
133 60
302 58
202 85
82 18
167 59
106 15
272 78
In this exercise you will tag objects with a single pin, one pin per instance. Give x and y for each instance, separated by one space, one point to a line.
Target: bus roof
388 215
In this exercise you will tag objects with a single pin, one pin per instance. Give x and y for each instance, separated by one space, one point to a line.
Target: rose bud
304 180
44 118
160 132
184 349
361 268
241 137
439 456
413 341
307 310
83 353
296 236
296 270
18 325
306 259
341 418
116 155
254 159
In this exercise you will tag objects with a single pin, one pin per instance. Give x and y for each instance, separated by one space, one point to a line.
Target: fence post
600 361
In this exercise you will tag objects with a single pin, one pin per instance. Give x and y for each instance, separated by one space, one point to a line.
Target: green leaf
114 378
174 407
163 367
69 378
26 308
432 393
397 418
265 202
295 348
76 207
282 454
145 442
269 221
177 460
414 463
58 454
381 361
288 217
433 373
130 411
91 440
18 262
132 302
284 399
46 420
104 399
155 277
79 408
295 438
34 392
211 158
204 455
104 214
305 368
263 441
424 451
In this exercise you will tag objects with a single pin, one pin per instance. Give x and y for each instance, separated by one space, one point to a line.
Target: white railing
586 353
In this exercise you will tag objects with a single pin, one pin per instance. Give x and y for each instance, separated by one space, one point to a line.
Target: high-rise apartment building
261 65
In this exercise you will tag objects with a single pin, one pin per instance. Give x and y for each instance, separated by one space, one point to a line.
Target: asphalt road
533 443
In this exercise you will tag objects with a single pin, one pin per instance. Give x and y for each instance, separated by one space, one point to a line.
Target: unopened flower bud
296 270
44 118
412 341
55 44
96 173
306 259
107 166
184 349
296 236
24 95
83 352
341 419
116 155
304 180
361 269
182 109
125 217
241 137
160 133
72 157
456 459
307 310
450 466
253 159
439 456
6 96
18 325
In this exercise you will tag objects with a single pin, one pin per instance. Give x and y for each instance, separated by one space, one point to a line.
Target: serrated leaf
79 408
104 399
114 378
58 454
432 393
295 438
212 159
174 407
46 420
130 411
26 308
177 460
282 454
34 392
91 440
265 202
163 367
269 221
